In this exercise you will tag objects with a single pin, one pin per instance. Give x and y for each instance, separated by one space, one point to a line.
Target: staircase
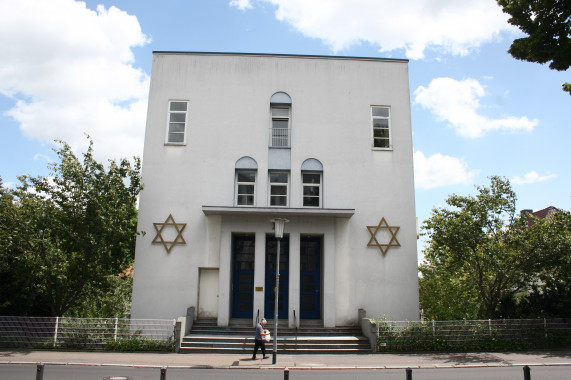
206 337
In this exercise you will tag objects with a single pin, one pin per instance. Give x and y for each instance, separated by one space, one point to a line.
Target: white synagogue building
236 140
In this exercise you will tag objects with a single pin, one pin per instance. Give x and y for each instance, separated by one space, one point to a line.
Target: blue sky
68 68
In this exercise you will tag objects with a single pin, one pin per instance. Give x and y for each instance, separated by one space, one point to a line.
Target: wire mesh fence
86 333
491 334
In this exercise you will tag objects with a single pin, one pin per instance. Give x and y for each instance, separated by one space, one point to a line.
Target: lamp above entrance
279 224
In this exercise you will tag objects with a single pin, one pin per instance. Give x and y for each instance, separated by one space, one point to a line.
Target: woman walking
259 339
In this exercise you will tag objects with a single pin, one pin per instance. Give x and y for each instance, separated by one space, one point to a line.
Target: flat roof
335 57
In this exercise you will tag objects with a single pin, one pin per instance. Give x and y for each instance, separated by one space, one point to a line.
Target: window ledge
174 144
382 149
279 211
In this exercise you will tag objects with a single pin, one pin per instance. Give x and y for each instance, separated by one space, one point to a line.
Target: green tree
548 240
68 232
12 290
445 295
467 244
548 26
109 297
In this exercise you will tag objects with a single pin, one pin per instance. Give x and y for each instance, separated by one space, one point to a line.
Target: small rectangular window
279 189
280 128
178 112
381 127
245 188
311 189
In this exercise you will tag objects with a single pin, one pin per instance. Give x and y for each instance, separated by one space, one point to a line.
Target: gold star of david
373 242
179 240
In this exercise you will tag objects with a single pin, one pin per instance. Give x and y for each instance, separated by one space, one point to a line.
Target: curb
281 367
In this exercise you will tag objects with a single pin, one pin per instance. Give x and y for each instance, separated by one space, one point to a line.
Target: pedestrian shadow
248 359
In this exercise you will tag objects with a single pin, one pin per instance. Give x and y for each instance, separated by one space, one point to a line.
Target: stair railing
295 325
258 317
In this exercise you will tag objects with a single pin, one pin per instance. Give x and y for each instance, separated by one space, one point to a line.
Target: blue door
310 277
243 276
283 299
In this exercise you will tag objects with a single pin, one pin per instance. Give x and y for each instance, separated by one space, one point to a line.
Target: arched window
245 182
280 128
312 182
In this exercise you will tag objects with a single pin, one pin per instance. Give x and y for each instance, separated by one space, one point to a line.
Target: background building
234 140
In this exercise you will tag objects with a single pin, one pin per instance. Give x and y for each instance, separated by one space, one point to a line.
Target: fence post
40 371
163 373
545 327
526 373
55 332
490 326
433 329
286 373
116 325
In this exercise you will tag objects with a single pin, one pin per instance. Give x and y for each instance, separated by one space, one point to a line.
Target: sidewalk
370 361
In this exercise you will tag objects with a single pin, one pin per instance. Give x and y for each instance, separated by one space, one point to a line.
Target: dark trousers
259 343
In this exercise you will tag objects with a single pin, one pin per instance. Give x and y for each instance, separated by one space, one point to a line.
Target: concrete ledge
368 328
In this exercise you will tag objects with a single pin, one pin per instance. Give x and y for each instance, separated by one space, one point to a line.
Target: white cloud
44 157
531 177
458 102
241 4
450 26
439 171
70 71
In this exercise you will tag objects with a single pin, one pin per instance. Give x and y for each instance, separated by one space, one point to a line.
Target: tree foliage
480 257
548 26
109 297
67 232
548 240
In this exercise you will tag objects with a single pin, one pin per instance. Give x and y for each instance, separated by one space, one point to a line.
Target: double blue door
243 249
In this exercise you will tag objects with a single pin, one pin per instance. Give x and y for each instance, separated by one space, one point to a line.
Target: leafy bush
140 344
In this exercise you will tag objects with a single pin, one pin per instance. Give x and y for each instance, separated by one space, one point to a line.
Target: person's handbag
267 337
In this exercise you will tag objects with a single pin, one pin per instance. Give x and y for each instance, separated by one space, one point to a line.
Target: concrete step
281 331
206 337
313 342
290 351
250 346
249 350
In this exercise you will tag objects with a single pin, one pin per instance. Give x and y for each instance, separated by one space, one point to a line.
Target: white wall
331 121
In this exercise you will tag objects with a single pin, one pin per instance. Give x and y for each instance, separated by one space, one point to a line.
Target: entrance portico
307 267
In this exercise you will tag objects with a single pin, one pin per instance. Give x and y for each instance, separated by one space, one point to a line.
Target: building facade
235 140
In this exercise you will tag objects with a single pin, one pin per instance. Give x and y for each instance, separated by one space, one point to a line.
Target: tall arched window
280 128
245 182
312 181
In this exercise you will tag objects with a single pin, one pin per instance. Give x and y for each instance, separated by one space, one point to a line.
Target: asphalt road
70 372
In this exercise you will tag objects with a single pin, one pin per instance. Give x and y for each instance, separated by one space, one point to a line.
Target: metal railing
86 333
526 333
279 138
295 325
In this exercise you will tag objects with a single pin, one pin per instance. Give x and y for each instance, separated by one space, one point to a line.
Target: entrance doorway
243 275
270 299
310 277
